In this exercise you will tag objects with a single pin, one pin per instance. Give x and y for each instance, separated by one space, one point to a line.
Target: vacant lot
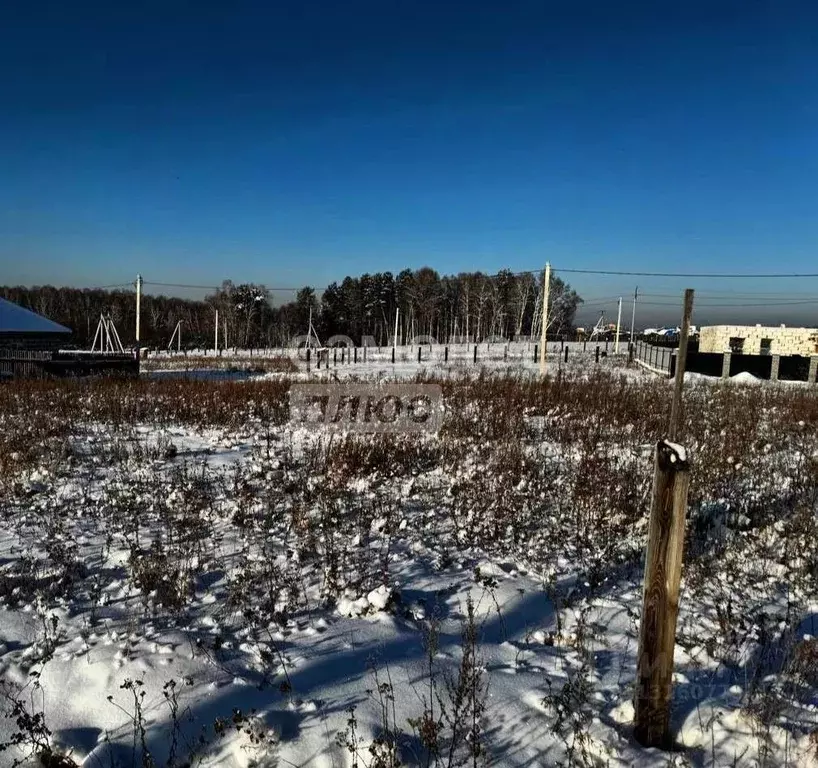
188 578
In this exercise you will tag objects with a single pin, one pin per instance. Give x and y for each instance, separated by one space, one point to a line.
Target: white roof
17 319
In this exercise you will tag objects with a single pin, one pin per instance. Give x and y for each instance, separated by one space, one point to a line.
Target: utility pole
543 338
138 308
633 312
216 335
618 325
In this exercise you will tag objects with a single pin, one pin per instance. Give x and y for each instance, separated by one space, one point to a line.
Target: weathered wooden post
663 569
393 355
536 356
660 600
446 354
475 353
418 352
308 359
597 355
566 354
355 355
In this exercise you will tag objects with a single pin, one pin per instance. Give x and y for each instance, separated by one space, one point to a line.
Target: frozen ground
229 589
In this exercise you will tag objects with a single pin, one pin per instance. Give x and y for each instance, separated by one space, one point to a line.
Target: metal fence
657 359
23 363
41 364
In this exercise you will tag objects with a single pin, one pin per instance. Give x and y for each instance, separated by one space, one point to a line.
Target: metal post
618 325
633 313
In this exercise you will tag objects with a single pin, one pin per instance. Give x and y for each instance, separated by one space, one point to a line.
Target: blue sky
292 143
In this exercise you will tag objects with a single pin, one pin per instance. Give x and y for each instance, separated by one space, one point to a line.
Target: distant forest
466 306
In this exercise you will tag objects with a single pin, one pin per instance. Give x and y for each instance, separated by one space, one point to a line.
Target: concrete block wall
785 341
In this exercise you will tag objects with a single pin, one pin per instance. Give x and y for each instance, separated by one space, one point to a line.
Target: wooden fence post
663 568
681 365
475 353
660 600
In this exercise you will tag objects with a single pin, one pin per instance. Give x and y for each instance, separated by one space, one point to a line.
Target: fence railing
657 359
41 364
23 363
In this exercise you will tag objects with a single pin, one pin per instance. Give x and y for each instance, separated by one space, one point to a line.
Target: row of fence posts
350 355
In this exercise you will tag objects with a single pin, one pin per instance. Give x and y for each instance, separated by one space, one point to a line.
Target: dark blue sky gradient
298 142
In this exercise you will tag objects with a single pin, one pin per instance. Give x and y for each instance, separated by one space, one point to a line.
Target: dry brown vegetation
542 472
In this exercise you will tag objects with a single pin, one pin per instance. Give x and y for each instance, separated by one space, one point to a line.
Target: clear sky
296 142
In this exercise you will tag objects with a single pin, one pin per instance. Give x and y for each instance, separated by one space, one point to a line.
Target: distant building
759 340
21 328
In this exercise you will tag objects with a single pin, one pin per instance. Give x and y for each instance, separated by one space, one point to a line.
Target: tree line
461 307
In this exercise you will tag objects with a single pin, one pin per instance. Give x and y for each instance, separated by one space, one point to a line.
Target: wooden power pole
663 569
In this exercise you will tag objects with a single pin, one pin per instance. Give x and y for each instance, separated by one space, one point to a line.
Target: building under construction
32 346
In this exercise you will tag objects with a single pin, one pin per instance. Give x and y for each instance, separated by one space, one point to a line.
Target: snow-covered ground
185 574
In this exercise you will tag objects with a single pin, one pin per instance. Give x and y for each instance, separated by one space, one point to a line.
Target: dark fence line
40 364
662 360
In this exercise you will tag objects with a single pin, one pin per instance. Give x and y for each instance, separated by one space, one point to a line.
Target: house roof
16 319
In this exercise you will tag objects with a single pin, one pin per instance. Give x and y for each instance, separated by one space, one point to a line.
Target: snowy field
189 578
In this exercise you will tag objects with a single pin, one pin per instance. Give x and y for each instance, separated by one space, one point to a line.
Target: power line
733 306
686 274
740 296
212 287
